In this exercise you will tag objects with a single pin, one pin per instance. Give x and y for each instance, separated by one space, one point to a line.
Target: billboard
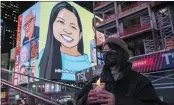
155 61
57 37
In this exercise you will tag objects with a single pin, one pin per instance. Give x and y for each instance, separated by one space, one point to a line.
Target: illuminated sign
155 61
55 40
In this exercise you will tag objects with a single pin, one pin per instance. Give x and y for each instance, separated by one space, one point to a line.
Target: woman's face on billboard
34 49
24 54
22 72
66 29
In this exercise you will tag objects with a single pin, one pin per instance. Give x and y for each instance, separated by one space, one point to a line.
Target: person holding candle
123 86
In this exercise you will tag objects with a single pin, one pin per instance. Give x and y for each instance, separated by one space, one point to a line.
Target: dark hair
51 58
94 21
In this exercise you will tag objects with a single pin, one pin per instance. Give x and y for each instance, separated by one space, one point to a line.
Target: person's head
99 35
29 23
23 54
65 29
116 53
34 49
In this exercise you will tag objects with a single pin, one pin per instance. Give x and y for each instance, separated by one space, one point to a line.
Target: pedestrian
123 86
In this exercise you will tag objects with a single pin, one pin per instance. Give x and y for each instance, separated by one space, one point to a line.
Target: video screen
60 38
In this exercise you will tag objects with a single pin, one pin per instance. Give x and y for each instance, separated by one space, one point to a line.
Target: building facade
10 11
145 26
9 14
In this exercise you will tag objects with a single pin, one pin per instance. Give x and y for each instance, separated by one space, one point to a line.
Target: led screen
56 40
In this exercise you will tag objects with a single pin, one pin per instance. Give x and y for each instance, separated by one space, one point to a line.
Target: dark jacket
131 88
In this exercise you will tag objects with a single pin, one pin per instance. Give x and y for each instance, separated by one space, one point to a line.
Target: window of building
131 22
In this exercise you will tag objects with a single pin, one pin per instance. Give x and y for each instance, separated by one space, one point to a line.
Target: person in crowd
123 86
30 29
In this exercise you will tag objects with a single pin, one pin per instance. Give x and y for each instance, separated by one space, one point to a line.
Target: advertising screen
47 87
59 38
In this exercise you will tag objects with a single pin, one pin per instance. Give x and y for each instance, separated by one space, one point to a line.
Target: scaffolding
114 14
165 26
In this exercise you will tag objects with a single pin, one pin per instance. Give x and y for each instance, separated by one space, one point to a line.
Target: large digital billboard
57 39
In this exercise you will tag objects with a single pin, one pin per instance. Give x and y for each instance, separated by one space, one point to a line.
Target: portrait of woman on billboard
64 50
22 78
25 53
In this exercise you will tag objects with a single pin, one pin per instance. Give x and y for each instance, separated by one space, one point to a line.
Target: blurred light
34 86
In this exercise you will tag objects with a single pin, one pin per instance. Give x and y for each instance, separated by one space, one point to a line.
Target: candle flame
98 82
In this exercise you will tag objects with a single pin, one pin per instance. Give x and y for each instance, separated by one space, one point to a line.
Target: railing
97 4
30 93
110 17
42 89
134 29
42 79
132 8
169 42
133 5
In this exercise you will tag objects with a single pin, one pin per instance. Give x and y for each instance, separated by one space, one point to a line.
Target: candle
98 86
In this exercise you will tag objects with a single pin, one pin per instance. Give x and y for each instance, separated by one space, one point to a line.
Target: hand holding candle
106 98
98 86
92 95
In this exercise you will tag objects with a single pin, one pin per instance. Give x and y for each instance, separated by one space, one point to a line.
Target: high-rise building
9 14
10 10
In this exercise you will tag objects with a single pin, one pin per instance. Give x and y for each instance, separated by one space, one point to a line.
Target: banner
18 39
154 61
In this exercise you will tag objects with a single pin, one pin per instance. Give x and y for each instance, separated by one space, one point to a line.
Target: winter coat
131 88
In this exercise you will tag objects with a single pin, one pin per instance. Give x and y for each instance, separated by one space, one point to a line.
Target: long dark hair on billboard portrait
51 58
